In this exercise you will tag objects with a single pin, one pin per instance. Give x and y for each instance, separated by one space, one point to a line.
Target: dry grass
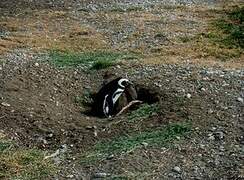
183 26
46 30
22 163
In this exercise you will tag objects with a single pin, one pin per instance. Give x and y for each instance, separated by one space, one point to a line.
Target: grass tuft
102 64
124 144
143 112
231 29
18 163
94 60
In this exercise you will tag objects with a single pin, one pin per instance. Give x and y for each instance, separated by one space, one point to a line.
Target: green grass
143 112
19 163
94 60
85 99
102 64
124 144
230 29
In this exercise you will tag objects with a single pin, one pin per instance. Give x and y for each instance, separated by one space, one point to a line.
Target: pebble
188 95
211 137
100 175
177 169
144 144
240 99
203 89
70 176
5 104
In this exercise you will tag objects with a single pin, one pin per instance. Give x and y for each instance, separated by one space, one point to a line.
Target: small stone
211 137
177 169
5 104
144 144
70 176
221 148
214 128
203 89
240 99
188 95
110 157
50 135
89 127
210 111
36 64
100 175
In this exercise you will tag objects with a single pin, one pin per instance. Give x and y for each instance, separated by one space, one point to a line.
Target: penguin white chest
117 94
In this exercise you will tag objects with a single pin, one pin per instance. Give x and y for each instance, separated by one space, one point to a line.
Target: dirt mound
39 106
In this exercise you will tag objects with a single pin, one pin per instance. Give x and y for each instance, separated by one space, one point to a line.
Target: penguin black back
107 90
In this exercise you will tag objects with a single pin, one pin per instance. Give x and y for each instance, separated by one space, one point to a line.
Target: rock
203 89
221 148
70 176
89 127
240 99
5 104
177 169
100 175
210 111
211 137
144 144
36 64
188 95
110 157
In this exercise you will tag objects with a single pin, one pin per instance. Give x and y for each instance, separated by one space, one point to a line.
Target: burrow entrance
145 95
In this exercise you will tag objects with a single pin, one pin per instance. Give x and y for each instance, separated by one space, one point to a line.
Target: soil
40 104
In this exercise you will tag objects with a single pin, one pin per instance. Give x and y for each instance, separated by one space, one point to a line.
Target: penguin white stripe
105 106
116 95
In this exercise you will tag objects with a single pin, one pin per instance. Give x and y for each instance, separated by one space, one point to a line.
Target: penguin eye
124 83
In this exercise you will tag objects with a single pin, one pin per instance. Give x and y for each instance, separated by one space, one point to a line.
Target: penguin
107 97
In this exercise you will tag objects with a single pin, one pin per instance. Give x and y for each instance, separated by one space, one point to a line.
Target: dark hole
145 94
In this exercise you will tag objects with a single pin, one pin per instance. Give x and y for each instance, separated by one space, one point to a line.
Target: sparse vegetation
85 99
18 163
230 29
185 39
143 112
102 64
95 60
129 9
124 144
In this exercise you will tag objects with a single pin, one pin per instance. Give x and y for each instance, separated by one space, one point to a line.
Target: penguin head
124 83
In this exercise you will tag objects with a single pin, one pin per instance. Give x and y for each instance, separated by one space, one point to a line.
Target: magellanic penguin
108 95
